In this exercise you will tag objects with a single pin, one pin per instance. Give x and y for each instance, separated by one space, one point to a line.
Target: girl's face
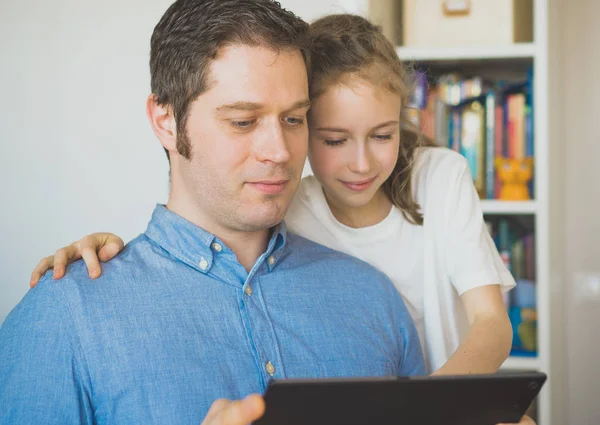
354 142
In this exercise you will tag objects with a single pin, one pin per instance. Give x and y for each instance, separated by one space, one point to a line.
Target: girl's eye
334 142
382 137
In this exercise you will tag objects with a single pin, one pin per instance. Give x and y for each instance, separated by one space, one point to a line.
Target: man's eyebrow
301 104
252 106
240 106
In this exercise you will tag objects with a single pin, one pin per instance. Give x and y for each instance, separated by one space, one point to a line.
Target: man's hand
239 412
525 421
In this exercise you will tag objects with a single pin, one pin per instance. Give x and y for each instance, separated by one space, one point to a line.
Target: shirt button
270 368
271 260
203 264
248 290
217 247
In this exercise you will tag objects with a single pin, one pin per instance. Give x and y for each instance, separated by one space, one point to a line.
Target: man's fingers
215 409
525 421
240 412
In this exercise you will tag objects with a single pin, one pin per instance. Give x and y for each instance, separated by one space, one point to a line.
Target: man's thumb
242 412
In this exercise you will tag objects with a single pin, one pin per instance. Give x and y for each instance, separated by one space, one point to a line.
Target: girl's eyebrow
334 130
384 124
343 130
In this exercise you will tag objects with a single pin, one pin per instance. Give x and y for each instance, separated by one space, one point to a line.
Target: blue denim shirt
175 322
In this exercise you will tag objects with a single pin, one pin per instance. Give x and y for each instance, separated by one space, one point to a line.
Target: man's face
248 138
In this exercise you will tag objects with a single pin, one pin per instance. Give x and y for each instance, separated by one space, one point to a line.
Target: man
215 298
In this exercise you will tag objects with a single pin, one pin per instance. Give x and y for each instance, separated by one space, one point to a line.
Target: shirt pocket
349 367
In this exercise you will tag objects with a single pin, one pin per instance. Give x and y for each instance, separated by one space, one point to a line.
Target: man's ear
163 123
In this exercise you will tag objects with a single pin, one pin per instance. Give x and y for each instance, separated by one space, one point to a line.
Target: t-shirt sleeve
471 256
40 373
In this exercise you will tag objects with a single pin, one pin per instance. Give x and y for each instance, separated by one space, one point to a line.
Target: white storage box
448 23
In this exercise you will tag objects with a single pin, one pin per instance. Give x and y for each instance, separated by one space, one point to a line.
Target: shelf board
490 206
521 363
514 51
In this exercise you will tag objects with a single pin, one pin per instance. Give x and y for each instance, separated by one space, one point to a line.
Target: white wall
581 139
313 9
76 153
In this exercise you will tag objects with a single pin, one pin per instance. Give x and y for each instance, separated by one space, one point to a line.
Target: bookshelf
521 50
495 207
511 60
522 363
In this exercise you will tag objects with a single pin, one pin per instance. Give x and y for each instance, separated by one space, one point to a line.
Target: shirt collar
195 246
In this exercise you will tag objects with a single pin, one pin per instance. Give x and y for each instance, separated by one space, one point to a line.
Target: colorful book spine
473 141
519 125
499 142
490 144
507 125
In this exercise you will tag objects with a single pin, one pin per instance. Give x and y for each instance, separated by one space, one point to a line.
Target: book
483 120
472 138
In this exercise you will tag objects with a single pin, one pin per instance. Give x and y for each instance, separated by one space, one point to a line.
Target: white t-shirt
430 265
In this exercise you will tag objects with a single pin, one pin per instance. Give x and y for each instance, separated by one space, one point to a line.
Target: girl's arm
489 339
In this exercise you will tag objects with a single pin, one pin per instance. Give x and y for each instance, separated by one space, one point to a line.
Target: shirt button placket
262 340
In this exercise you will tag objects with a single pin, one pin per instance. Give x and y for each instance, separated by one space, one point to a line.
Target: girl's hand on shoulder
92 248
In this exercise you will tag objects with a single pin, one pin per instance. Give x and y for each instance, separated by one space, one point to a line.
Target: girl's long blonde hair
349 45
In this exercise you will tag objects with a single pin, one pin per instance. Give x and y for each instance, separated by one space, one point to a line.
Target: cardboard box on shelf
428 23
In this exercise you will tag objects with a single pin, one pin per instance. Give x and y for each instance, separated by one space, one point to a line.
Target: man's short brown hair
189 36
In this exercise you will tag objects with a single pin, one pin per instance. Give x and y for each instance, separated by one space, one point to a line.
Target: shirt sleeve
471 256
40 373
412 361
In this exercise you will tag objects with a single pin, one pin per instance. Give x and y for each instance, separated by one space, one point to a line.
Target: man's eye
242 124
294 122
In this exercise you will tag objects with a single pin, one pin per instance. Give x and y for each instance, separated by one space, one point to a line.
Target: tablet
438 400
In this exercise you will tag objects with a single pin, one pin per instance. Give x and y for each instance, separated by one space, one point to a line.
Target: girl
383 194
